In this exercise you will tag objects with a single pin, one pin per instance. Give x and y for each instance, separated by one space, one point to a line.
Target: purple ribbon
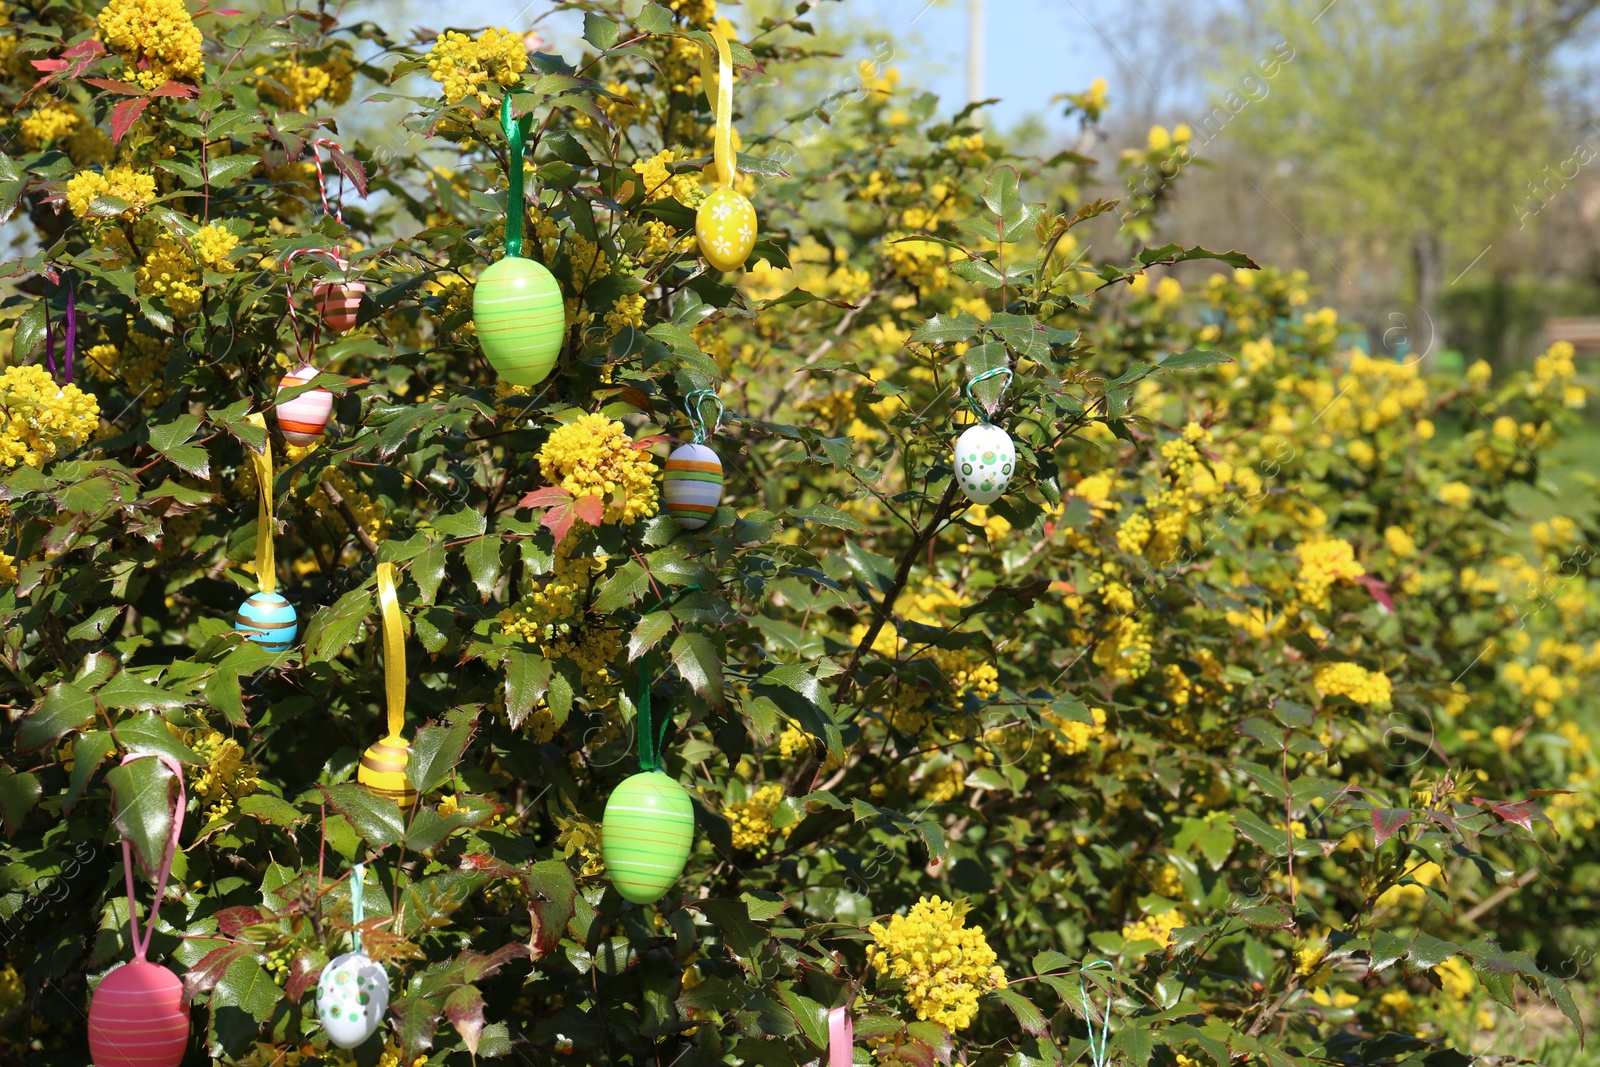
71 336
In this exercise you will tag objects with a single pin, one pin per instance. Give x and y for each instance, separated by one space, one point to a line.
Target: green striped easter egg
517 309
646 834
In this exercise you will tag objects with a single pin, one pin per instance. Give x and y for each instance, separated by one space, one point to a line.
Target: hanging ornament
985 458
725 224
841 1037
303 418
648 826
383 766
353 990
517 309
338 299
693 483
138 1016
266 617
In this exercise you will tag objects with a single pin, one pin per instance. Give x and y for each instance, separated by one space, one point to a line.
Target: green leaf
651 629
483 563
126 691
437 749
19 793
825 515
527 678
65 708
654 19
1179 254
147 733
427 570
945 329
375 818
222 170
732 918
88 753
625 586
335 629
28 335
599 31
1028 1016
1195 357
247 986
699 663
142 800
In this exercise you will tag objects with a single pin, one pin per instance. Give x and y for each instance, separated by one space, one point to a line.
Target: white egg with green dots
352 996
985 459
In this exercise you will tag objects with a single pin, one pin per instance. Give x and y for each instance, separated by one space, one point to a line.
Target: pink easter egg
304 418
138 1018
338 303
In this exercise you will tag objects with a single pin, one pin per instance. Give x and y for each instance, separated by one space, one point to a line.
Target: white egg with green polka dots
352 995
985 460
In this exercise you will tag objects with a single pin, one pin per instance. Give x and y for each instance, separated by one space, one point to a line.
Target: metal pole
974 51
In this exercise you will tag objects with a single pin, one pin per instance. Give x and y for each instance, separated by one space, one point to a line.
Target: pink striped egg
138 1018
304 418
338 303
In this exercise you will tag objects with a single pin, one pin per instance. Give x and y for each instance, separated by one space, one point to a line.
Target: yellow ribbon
394 649
266 564
721 105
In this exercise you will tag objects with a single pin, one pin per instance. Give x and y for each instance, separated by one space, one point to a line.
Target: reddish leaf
124 115
351 168
49 64
1549 792
548 497
1386 822
174 88
231 922
303 974
1521 812
419 1018
111 85
476 966
1379 590
558 521
87 49
653 440
464 1009
204 976
591 509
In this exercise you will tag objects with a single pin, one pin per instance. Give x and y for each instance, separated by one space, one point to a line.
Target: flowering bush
1240 719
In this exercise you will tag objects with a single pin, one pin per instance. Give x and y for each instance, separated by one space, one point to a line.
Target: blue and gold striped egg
693 485
269 620
646 834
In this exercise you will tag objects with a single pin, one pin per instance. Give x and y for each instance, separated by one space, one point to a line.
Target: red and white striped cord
288 288
322 184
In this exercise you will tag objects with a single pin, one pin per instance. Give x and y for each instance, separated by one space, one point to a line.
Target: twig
338 501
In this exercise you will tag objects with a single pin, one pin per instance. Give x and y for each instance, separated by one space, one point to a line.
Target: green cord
977 409
516 137
651 735
697 422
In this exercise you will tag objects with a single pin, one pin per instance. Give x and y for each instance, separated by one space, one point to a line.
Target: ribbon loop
692 404
394 649
841 1037
266 563
516 131
141 949
974 403
721 105
1097 1043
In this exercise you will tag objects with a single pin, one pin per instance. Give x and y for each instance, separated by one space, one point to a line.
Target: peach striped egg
304 418
138 1018
338 303
693 485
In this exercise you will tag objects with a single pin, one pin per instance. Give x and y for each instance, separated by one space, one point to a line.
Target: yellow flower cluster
536 616
124 183
44 124
1070 737
580 839
1157 928
224 775
593 649
1323 562
465 67
943 784
38 419
945 965
372 516
794 741
1354 681
625 311
156 39
751 819
293 87
141 365
594 456
694 12
1555 370
1455 494
1540 684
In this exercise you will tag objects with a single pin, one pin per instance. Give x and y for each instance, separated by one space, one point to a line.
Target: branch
350 520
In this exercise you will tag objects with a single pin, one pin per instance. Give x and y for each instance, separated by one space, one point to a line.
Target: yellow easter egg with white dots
725 226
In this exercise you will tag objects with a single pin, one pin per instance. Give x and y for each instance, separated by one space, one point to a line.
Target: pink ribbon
141 948
841 1037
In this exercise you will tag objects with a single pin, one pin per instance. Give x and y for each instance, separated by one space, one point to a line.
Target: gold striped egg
383 770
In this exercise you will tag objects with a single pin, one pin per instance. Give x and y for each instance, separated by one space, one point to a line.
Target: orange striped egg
138 1018
304 418
693 485
338 303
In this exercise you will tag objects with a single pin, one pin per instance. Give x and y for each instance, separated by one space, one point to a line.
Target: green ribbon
358 909
972 401
651 734
697 421
517 131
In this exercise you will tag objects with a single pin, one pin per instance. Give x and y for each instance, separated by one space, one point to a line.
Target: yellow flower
1456 976
1455 494
1353 681
224 775
1071 737
156 39
124 183
39 419
370 514
579 838
661 184
1323 562
1157 928
465 66
1160 140
943 964
794 741
293 87
751 819
44 124
594 456
1400 541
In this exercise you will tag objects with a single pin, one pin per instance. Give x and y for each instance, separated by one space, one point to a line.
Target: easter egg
725 226
520 319
304 418
269 620
693 485
645 835
984 461
338 303
352 995
383 770
138 1018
